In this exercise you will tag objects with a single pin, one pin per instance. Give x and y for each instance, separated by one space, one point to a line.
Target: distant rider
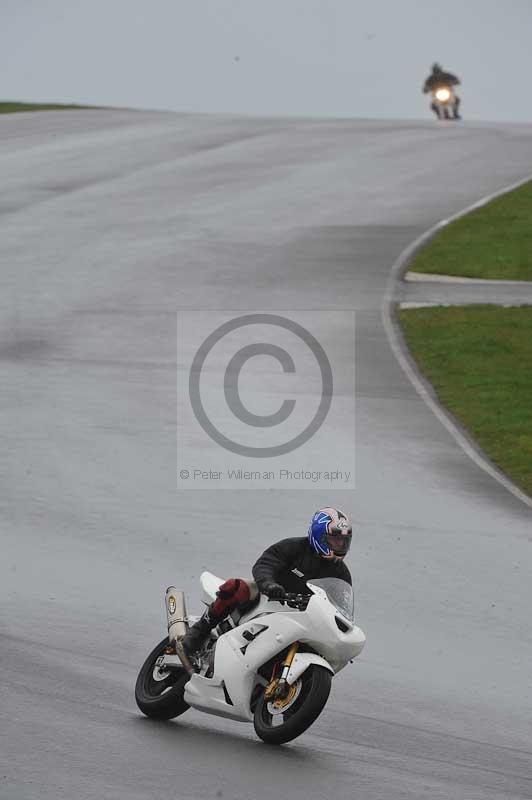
439 79
285 566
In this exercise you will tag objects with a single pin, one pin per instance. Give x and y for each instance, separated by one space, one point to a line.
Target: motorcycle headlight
443 95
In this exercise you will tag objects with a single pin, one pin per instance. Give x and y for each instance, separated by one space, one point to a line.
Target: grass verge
479 360
9 107
493 242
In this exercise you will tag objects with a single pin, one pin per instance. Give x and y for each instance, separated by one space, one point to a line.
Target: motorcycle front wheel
277 722
159 694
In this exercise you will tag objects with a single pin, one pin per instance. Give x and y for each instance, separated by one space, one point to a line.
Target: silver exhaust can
176 614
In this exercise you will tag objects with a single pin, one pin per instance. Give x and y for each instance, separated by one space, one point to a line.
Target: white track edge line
408 365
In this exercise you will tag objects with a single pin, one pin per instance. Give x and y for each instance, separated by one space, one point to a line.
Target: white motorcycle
270 664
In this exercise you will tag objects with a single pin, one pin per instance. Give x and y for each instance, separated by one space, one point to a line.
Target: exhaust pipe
176 614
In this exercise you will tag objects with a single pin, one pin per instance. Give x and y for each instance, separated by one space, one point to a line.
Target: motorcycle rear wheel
159 695
310 694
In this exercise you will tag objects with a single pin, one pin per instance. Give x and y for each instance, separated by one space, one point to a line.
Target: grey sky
311 57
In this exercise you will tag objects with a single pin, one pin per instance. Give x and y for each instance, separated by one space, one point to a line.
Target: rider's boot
197 634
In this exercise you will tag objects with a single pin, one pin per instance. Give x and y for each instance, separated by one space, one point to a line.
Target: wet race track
109 222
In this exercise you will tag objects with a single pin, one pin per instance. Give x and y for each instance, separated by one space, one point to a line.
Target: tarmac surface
109 221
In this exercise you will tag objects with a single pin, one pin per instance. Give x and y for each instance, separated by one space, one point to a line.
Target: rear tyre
284 723
159 695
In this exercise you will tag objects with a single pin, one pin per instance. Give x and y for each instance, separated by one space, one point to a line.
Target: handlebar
294 600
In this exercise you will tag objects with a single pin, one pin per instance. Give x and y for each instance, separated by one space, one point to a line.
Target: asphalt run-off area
109 222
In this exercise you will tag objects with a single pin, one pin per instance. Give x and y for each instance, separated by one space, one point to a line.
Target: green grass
479 360
492 242
9 107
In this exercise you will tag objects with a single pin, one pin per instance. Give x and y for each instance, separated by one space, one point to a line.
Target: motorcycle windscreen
340 594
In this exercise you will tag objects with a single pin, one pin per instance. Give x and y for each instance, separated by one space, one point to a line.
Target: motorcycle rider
440 79
285 566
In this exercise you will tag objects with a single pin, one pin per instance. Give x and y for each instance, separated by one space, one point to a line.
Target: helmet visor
339 540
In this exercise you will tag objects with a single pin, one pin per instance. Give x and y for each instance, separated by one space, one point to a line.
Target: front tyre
159 694
277 722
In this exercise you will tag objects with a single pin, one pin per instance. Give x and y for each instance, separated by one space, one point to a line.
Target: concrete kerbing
399 348
413 304
431 277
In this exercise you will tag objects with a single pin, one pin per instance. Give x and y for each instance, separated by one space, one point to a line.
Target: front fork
279 687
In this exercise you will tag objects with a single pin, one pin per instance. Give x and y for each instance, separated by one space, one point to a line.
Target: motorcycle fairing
238 659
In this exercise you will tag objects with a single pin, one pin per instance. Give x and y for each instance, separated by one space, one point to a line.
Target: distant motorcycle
271 664
445 103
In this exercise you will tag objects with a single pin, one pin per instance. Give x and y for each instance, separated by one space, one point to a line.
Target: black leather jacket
437 79
291 562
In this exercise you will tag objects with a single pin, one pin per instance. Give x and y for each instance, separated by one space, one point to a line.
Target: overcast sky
308 57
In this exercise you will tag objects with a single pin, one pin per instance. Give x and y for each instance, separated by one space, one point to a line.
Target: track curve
395 292
109 220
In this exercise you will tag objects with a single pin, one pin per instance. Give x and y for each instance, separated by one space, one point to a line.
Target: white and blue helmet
330 533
